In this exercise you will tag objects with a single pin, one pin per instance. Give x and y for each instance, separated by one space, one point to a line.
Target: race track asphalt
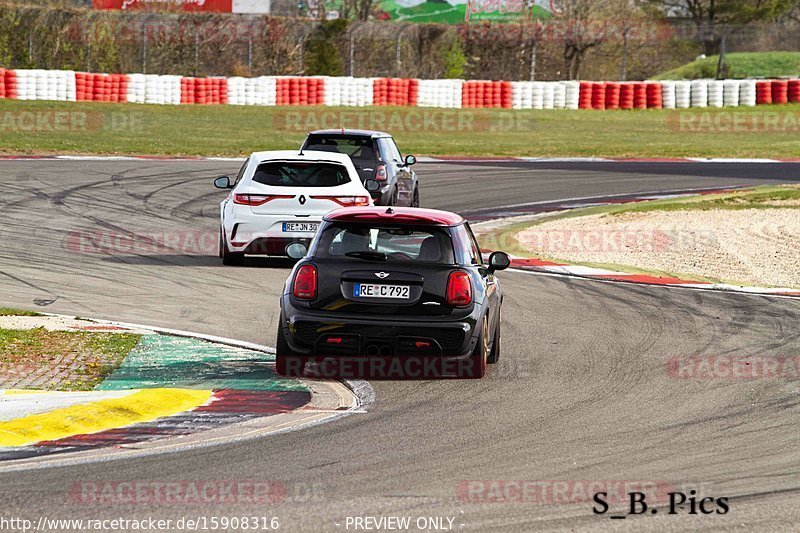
582 392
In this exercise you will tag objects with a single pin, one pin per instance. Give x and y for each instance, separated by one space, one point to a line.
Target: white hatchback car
280 197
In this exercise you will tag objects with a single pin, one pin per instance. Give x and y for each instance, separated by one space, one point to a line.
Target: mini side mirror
222 182
372 185
410 160
296 250
499 261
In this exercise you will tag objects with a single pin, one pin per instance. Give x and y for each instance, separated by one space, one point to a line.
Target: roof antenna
301 151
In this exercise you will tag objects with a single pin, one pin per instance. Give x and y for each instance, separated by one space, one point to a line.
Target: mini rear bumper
329 334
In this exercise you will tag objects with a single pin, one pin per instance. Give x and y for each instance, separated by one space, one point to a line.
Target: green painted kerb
167 361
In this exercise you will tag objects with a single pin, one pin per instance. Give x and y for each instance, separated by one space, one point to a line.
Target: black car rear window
298 174
405 244
355 147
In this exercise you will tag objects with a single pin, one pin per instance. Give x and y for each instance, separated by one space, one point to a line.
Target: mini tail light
345 201
258 199
380 173
305 283
459 289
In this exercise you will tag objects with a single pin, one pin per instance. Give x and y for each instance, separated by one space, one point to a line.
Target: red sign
216 6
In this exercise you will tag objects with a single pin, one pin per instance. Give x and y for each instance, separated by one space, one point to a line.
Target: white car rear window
299 174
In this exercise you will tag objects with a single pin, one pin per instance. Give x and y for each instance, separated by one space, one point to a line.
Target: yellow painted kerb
142 406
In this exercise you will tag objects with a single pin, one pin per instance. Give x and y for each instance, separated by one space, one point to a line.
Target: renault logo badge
302 200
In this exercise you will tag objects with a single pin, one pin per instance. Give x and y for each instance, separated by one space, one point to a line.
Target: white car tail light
259 199
345 201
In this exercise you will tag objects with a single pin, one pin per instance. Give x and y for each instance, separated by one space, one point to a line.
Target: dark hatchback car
375 156
392 283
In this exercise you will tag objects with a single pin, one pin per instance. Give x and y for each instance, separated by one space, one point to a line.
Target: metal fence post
249 55
397 51
196 51
623 74
351 66
144 49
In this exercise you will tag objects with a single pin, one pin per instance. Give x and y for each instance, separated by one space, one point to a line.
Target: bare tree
582 25
356 9
709 16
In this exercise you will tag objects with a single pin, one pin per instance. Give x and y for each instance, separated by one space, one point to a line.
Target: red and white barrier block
260 91
63 85
440 93
347 91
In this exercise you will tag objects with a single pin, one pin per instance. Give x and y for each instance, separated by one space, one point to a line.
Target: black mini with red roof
395 283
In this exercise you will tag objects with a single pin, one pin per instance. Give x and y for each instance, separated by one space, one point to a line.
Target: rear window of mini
378 243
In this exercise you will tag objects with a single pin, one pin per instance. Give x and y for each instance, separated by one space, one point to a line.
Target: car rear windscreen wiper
365 254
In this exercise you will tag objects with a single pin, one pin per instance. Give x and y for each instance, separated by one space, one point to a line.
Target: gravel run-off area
759 247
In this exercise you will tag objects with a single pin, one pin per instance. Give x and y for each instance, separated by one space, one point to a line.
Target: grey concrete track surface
581 393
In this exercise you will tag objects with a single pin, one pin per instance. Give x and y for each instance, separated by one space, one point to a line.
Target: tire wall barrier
440 93
395 91
794 91
299 91
481 94
543 95
70 86
353 92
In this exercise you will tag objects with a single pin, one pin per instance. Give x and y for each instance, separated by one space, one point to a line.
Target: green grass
740 65
103 128
8 311
98 354
759 198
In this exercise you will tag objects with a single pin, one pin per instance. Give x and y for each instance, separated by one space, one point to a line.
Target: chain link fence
238 45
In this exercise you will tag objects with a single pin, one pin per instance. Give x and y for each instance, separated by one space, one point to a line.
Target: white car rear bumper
246 229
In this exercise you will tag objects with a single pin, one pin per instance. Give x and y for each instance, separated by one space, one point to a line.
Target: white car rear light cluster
345 201
259 199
